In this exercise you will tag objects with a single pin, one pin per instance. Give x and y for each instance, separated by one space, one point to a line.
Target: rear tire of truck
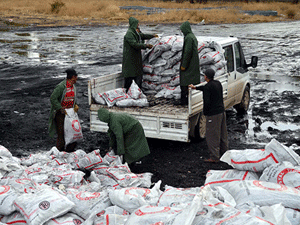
200 129
243 107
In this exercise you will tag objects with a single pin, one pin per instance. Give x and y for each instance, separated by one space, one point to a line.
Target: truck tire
243 106
200 130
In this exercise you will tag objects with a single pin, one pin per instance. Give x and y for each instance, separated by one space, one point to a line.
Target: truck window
239 57
229 58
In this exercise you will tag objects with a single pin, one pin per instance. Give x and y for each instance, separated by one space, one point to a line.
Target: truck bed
156 106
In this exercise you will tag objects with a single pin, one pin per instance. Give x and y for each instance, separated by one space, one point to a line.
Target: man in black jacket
216 130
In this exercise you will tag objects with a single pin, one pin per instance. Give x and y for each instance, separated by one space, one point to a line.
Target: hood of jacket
104 115
133 23
186 28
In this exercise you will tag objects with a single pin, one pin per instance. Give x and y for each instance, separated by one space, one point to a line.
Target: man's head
186 28
209 74
133 23
71 75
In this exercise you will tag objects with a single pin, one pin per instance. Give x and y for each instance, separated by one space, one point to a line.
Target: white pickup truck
164 120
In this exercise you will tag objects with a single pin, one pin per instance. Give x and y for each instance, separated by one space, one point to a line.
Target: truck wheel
244 105
200 130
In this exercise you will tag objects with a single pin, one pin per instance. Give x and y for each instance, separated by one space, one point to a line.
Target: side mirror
254 60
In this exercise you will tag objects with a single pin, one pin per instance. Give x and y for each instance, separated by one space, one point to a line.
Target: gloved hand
182 68
149 46
76 107
63 111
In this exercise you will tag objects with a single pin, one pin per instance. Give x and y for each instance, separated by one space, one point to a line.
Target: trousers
216 135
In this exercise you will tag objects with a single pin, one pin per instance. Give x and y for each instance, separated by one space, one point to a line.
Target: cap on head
71 72
210 73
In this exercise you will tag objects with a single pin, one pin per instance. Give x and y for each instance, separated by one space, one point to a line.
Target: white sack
276 214
168 54
282 173
91 160
258 159
15 218
99 99
177 197
125 102
261 193
5 152
293 216
211 58
67 219
112 215
147 68
178 44
215 211
142 102
134 91
86 202
152 77
7 197
43 205
132 198
72 127
219 177
112 96
148 214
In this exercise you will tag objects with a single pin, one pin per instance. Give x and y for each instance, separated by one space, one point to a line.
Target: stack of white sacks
161 64
46 188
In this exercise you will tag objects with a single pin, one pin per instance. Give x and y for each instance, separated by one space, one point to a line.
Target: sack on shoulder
72 127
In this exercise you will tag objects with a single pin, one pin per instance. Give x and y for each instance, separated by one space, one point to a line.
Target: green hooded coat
56 99
126 135
190 57
132 56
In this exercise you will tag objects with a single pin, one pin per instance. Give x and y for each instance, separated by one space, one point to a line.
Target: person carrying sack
63 97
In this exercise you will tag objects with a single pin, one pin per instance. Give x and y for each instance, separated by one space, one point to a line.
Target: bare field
93 12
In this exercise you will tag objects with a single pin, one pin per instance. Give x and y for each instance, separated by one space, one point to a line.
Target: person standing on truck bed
126 135
132 67
63 97
189 68
213 109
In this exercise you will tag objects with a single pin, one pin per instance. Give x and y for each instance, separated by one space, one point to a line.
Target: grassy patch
109 11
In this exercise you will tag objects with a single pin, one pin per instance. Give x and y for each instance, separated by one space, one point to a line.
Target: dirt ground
25 107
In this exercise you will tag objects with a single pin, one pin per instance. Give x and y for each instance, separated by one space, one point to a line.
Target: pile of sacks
48 188
119 97
161 64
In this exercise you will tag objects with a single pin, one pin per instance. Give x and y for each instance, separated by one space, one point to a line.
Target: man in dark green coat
132 67
64 96
126 135
189 68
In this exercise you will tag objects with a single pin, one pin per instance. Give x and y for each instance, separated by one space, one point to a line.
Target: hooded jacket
190 57
132 56
126 135
56 99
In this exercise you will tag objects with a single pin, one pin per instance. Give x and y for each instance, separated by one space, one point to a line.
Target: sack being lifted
161 64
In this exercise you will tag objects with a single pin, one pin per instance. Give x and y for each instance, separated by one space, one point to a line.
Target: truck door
229 56
241 71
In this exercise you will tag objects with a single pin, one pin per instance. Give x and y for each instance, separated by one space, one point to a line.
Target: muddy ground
274 113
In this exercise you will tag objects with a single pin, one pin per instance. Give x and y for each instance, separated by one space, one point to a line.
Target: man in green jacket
126 135
189 68
63 97
132 67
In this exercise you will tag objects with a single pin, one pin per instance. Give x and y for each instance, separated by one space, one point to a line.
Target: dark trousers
216 135
60 142
128 82
184 94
